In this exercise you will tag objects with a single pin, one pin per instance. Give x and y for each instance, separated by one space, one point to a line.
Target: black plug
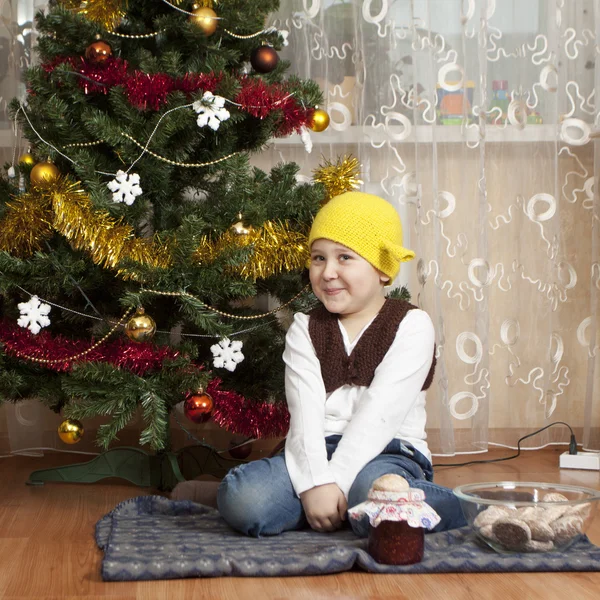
573 445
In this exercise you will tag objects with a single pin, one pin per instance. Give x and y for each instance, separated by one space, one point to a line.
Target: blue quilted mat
151 537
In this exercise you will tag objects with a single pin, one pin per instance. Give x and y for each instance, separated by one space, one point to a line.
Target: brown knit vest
337 368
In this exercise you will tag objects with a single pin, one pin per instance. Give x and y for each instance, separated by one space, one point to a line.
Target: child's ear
384 278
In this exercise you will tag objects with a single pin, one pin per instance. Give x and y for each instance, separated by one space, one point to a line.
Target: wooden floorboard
47 549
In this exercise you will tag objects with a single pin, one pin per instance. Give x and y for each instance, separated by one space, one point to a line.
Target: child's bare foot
202 492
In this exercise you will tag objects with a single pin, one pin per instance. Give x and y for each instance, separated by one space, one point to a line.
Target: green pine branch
156 418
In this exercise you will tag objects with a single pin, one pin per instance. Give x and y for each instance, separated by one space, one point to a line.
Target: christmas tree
135 234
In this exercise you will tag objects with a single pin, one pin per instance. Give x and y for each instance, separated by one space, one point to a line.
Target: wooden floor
47 550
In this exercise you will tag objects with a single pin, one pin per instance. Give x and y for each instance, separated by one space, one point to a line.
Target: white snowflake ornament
34 315
210 111
284 33
227 354
306 139
125 187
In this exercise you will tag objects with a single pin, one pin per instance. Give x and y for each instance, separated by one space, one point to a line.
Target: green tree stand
162 471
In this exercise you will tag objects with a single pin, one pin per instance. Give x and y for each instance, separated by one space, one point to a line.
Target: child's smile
345 282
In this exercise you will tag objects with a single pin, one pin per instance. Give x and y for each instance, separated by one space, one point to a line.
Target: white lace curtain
477 120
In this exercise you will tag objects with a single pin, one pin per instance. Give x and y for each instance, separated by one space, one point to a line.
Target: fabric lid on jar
408 505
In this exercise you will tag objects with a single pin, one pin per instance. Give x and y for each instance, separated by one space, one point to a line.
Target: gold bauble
241 228
320 120
70 431
26 159
43 174
205 18
141 327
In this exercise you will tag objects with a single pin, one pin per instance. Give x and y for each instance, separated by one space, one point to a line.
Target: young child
357 368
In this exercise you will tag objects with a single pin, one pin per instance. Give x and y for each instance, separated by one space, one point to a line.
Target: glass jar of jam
396 543
398 517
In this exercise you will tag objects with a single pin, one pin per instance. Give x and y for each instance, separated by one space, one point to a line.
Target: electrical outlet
582 460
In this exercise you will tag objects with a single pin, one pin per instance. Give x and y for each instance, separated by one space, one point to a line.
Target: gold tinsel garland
64 207
108 240
27 223
108 13
339 177
275 248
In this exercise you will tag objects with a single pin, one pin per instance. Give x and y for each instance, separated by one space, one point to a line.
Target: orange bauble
98 52
198 407
264 59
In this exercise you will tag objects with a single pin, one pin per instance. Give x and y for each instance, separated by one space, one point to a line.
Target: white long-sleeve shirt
393 406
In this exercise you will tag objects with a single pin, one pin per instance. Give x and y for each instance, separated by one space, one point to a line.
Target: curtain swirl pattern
478 120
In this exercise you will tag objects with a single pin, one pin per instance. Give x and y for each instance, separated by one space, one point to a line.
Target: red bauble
239 452
264 59
198 407
98 52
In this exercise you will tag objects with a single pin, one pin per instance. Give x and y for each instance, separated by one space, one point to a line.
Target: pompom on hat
366 224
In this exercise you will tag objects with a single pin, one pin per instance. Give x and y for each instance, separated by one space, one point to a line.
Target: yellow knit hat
366 224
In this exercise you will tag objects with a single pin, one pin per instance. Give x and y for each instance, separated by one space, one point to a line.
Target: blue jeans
257 498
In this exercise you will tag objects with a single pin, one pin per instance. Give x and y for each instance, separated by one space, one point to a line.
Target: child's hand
325 507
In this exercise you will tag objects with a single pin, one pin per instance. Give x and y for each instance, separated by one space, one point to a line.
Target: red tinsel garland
236 414
146 91
231 410
260 98
139 358
98 79
149 91
94 79
192 82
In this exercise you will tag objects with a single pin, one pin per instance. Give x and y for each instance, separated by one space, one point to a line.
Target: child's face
344 281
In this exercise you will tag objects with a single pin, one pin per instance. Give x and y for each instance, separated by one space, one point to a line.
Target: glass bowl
512 516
